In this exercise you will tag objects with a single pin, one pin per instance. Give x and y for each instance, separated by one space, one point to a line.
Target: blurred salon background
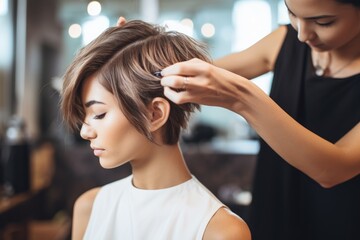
44 167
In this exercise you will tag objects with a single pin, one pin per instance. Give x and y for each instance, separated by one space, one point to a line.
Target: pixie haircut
124 60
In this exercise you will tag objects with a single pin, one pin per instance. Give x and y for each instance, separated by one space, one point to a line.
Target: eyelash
328 24
100 116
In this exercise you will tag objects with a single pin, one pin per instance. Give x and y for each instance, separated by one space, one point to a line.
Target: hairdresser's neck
163 167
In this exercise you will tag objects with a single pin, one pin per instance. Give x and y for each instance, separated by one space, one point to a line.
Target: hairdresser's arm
82 211
328 164
257 59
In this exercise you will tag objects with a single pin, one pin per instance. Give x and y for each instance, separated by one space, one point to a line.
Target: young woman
311 119
111 92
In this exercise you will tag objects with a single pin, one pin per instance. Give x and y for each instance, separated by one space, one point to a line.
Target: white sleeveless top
121 211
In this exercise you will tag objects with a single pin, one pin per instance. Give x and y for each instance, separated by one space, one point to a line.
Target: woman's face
112 137
324 24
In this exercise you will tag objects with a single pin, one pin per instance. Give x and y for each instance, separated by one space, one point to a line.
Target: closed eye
100 116
323 20
327 24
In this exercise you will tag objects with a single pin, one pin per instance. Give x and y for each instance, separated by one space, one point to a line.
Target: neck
329 64
339 62
164 167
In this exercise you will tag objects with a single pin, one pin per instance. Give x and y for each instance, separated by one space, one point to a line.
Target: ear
159 110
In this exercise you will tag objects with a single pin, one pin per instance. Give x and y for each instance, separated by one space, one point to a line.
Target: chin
319 48
106 164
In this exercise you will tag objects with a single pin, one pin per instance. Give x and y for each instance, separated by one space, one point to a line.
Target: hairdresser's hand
203 83
121 21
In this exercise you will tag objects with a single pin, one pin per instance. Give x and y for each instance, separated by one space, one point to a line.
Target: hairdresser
307 183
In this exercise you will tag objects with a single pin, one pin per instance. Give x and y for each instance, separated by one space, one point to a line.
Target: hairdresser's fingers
178 97
176 82
191 67
121 21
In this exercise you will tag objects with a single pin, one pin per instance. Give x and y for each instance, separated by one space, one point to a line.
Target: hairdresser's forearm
321 160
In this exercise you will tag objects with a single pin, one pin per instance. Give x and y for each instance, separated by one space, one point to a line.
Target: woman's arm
328 164
257 59
82 211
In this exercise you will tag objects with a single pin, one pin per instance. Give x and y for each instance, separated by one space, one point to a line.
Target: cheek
340 34
122 134
118 127
347 33
122 143
334 39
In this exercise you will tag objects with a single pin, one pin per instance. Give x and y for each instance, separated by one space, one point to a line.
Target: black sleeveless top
287 204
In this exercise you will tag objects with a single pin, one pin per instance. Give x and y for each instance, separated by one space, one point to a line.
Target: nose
87 132
305 33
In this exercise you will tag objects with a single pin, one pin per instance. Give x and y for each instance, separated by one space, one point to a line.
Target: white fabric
121 211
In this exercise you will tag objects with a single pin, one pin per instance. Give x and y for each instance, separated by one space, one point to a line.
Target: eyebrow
309 18
92 102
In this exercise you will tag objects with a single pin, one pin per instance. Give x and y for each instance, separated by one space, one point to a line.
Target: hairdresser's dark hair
124 60
356 3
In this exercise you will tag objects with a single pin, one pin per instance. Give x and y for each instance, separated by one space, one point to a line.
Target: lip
97 151
315 45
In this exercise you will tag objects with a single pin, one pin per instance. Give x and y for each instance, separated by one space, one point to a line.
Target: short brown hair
124 59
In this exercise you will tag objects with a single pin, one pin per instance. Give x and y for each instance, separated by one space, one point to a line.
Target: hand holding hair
205 84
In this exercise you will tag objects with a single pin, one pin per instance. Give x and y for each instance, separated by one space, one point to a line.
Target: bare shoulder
225 225
85 201
257 59
82 211
275 39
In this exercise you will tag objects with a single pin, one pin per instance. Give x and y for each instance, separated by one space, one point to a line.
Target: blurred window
3 7
252 21
93 28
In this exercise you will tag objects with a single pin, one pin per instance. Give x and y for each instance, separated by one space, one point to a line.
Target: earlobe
159 109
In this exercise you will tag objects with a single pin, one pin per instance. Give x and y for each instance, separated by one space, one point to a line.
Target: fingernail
157 74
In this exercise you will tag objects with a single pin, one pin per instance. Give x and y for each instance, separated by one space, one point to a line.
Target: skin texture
330 29
81 213
115 141
114 144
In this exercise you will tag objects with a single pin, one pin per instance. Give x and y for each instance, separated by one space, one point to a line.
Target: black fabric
287 204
